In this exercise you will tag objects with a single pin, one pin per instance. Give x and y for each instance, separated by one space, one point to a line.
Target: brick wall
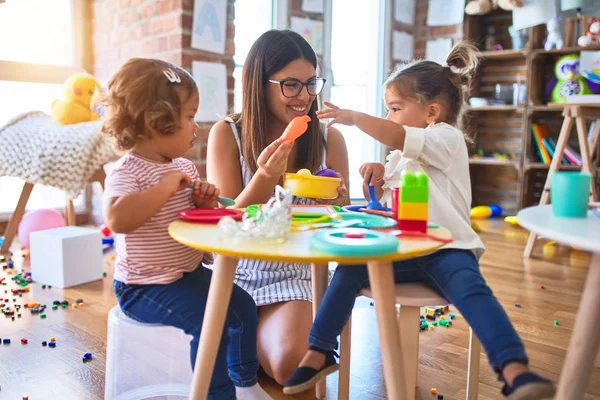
423 33
158 29
295 10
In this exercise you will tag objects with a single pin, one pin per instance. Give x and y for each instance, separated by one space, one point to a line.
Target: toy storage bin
145 361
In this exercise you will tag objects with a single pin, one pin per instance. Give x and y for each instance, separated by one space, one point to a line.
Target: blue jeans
181 304
455 275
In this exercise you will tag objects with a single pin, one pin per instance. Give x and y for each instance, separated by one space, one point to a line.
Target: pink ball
38 220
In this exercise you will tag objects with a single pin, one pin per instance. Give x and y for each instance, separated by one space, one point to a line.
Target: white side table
585 340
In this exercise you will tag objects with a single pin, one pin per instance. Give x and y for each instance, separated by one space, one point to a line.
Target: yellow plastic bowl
314 187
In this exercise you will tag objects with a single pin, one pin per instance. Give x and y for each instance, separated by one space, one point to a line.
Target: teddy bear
481 7
593 36
554 38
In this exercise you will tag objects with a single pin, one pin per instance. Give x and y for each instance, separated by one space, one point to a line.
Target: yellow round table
208 237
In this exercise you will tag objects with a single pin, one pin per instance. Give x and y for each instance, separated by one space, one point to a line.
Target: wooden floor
59 373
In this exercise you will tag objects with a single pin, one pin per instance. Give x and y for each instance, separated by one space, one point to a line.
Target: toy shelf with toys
515 106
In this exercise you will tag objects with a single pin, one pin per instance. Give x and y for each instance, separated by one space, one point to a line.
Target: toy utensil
332 224
377 212
295 128
373 203
398 232
226 201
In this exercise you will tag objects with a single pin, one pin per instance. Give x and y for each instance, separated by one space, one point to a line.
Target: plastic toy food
296 128
326 172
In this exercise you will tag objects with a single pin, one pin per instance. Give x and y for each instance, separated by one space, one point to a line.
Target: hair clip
172 76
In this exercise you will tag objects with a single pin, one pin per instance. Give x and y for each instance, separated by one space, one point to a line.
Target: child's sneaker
306 377
529 386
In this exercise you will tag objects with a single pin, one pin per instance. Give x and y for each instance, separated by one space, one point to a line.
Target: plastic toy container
145 360
312 186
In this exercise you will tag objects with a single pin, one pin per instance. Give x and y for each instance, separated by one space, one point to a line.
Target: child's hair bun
462 58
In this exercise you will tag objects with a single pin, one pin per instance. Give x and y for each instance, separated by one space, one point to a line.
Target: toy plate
358 207
368 221
301 212
209 215
353 242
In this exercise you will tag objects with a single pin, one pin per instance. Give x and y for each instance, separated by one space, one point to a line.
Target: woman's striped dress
271 282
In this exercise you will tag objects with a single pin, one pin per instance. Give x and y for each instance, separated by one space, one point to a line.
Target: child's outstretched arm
387 132
126 213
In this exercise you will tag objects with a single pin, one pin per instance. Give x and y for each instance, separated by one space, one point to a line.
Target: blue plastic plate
372 243
368 221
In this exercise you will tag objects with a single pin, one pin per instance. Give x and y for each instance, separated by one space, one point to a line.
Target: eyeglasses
293 87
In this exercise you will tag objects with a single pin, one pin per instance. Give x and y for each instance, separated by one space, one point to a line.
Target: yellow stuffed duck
75 107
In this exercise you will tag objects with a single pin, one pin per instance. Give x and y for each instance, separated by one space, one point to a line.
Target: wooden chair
17 215
411 297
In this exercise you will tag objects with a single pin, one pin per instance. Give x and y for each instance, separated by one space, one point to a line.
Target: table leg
219 294
320 275
381 277
585 340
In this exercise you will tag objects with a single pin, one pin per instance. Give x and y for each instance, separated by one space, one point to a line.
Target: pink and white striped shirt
148 255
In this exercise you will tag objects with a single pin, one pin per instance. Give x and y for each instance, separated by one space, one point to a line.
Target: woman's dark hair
428 81
271 52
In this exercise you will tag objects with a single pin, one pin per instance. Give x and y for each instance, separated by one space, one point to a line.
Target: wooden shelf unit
518 182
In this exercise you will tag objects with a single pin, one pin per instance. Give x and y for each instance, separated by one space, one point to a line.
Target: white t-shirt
441 152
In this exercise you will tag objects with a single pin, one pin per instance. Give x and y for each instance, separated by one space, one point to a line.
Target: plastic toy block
443 322
6 341
87 357
451 315
433 391
52 344
413 187
429 311
416 211
412 225
23 341
44 343
555 322
434 323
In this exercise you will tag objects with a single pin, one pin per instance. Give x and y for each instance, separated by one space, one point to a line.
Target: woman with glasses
245 161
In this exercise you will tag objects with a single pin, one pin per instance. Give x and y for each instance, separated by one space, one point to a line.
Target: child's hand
372 172
173 181
205 195
344 117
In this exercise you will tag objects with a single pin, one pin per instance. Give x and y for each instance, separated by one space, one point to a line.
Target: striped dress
271 282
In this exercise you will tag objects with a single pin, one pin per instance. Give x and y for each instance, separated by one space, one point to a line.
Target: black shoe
306 377
529 386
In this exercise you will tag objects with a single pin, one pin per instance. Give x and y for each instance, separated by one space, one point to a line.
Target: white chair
145 360
411 297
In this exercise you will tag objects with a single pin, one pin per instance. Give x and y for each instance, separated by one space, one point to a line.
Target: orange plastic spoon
296 128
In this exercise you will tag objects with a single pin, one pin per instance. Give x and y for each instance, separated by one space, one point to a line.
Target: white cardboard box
67 256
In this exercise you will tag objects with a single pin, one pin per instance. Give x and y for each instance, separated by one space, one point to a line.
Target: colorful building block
415 211
413 201
412 225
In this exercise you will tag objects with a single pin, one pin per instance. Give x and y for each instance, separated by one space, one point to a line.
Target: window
356 75
40 46
252 19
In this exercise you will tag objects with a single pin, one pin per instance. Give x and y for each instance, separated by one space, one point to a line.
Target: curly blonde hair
145 97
